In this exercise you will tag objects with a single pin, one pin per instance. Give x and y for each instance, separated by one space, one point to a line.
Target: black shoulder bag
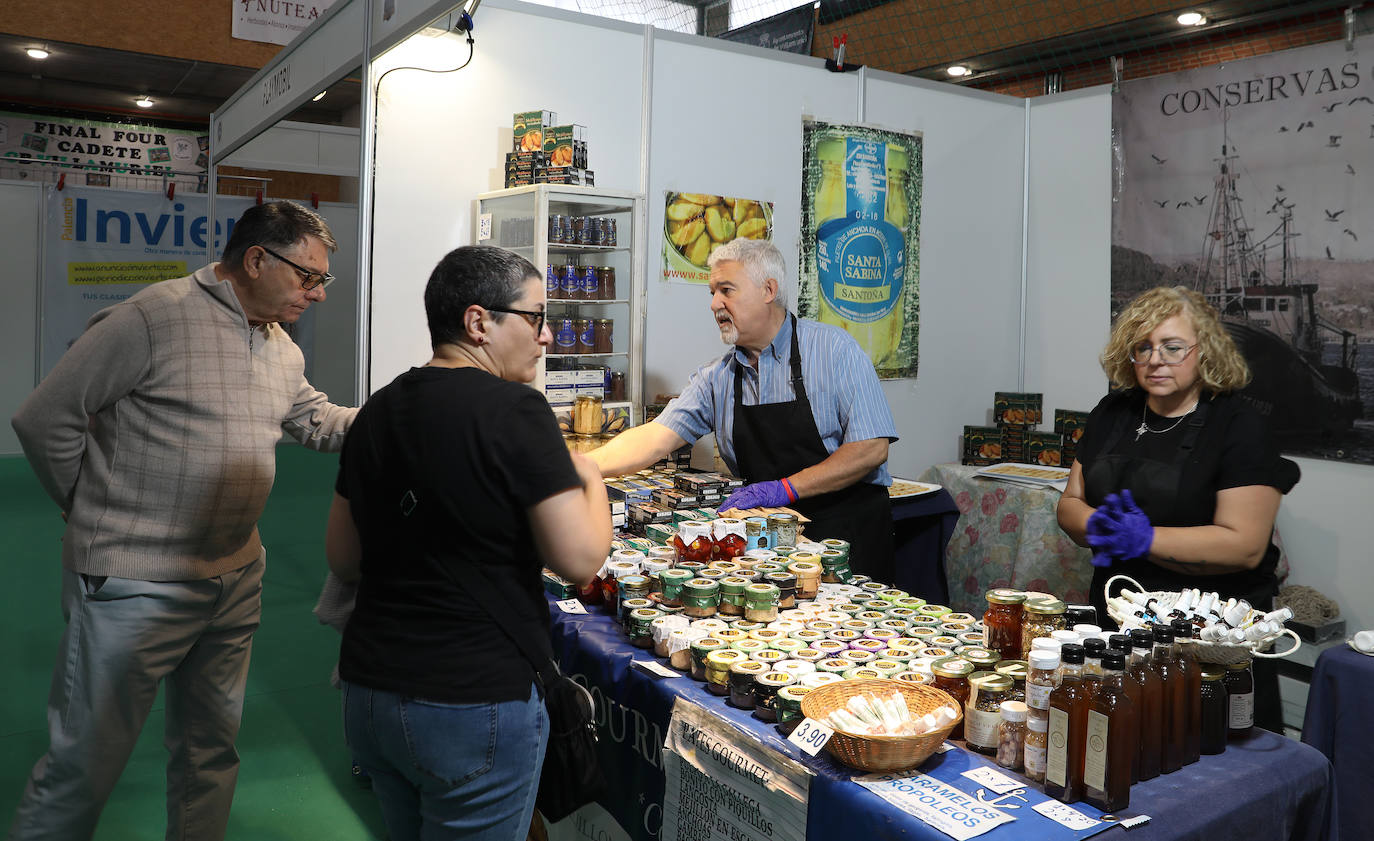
571 777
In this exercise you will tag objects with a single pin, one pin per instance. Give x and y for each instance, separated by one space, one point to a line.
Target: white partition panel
21 236
726 120
970 260
1325 529
442 139
1069 247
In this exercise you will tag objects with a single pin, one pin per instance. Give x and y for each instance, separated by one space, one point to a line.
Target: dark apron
1155 487
774 440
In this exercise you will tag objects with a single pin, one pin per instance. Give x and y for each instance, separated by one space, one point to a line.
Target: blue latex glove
1118 530
772 494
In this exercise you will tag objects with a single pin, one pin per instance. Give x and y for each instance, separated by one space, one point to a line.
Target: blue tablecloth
1266 787
922 527
1338 723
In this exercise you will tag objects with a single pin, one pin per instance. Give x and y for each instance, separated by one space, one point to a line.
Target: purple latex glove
1103 525
1118 530
772 494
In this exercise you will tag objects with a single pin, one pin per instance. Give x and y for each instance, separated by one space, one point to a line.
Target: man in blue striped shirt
796 407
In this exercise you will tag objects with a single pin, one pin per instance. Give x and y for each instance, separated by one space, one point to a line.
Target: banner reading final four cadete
860 242
105 245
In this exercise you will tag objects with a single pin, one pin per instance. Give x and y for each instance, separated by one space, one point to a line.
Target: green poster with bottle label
860 242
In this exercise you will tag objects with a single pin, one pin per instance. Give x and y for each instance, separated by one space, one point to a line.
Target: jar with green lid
950 675
921 634
732 595
700 598
627 605
742 677
692 566
766 688
718 665
640 628
1017 671
833 665
913 603
765 567
934 611
809 655
670 583
922 621
885 667
875 606
860 580
701 648
807 635
1040 618
746 626
786 583
862 673
892 594
712 574
901 655
872 588
788 707
872 617
761 602
835 567
834 544
783 550
983 710
902 615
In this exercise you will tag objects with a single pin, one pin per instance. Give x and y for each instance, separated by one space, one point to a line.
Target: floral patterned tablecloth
1007 536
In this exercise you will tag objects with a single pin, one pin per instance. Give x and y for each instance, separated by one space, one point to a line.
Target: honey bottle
1068 729
1093 649
1134 688
1109 744
1151 707
1174 709
1192 692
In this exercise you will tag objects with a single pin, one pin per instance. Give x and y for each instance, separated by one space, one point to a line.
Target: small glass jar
786 583
951 676
787 705
662 630
983 659
1036 747
1002 622
835 567
1042 679
807 567
700 598
1011 735
634 586
1240 696
769 657
1040 618
700 649
766 688
732 595
718 664
742 677
729 539
1017 670
983 710
761 602
1215 710
640 626
693 542
671 582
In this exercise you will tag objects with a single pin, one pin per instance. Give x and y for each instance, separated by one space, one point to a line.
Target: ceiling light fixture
317 97
958 70
143 102
1191 19
38 53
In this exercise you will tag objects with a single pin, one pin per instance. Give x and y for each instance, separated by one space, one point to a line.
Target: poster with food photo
695 224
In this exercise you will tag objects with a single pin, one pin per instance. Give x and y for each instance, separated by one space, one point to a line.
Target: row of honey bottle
1128 709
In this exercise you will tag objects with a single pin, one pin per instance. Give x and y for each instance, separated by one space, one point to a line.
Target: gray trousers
123 638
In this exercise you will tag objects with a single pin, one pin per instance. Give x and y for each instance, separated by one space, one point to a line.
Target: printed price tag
810 736
571 606
654 667
995 780
1065 815
484 227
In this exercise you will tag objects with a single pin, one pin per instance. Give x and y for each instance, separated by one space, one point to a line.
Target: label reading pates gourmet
861 257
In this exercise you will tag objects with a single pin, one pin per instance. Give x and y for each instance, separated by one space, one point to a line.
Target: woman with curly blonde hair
1177 481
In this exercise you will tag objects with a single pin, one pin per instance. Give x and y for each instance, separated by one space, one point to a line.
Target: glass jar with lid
983 710
1002 622
1017 671
951 675
1039 618
700 598
693 542
1215 711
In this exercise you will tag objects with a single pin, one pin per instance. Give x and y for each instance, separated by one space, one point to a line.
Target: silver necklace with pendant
1144 427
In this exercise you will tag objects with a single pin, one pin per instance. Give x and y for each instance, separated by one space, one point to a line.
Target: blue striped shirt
846 400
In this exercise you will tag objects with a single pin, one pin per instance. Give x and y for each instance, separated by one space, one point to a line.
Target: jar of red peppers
1002 622
693 542
729 538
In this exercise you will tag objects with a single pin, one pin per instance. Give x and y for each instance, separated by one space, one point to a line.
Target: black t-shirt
1234 449
440 468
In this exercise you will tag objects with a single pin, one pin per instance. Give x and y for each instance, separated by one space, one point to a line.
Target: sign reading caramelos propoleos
860 244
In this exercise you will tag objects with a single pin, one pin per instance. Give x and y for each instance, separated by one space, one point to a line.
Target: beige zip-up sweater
157 430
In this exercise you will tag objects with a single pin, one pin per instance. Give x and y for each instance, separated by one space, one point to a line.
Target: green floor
294 781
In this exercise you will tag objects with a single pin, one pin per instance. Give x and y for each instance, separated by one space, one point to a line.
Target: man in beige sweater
155 434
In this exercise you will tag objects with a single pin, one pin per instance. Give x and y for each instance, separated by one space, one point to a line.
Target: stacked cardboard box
1015 437
545 153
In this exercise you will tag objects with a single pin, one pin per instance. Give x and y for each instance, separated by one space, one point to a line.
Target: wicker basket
881 753
1218 653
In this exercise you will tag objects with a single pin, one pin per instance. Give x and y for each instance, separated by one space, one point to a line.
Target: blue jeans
448 771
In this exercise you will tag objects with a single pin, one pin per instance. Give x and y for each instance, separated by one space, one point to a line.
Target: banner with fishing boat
1253 182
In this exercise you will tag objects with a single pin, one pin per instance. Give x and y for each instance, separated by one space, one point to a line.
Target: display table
1266 787
1007 536
922 527
1337 723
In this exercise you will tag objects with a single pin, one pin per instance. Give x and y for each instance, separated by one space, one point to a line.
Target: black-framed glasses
534 317
1170 353
309 279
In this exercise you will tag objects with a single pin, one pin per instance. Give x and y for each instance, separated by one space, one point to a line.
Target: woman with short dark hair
454 471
